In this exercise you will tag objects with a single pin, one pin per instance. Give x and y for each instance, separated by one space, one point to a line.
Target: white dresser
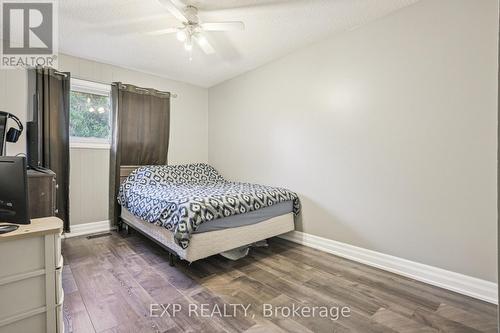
31 294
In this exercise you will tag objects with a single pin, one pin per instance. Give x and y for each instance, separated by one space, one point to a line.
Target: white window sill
89 145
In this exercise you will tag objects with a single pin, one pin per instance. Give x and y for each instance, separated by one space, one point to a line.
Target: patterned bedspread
181 197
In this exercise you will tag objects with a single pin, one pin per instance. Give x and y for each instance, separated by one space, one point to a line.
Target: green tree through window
89 115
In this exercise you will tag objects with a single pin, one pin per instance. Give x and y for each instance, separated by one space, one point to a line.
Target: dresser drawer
21 256
22 296
31 293
36 323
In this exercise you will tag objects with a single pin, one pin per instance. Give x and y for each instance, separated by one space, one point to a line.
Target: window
89 114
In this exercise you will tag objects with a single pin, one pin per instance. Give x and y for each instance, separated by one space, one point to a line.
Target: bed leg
119 226
171 259
129 229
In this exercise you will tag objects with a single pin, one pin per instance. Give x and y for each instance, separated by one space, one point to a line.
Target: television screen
33 139
3 126
14 193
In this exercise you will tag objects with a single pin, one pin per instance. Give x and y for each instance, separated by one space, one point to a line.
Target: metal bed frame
172 255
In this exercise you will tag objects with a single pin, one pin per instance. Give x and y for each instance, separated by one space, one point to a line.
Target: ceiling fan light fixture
193 30
181 35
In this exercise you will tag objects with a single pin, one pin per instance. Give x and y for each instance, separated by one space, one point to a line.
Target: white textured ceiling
112 31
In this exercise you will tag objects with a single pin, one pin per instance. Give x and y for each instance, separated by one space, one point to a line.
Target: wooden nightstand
31 294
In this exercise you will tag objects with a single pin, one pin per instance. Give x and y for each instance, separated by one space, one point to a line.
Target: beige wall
387 132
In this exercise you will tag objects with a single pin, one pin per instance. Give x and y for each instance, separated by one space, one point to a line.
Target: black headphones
14 133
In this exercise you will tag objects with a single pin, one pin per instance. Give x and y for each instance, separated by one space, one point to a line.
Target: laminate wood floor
110 283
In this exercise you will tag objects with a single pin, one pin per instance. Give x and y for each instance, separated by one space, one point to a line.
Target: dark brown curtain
140 132
52 91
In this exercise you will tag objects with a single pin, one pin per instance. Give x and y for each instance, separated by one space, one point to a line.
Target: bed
193 212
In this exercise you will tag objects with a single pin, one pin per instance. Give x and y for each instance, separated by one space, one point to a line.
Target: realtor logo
28 33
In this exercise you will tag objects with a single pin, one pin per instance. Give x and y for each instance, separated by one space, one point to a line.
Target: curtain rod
173 95
157 91
61 73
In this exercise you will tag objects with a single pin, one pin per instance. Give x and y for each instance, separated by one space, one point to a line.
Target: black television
3 129
13 190
33 139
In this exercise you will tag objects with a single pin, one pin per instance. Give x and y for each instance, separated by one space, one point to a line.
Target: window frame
96 88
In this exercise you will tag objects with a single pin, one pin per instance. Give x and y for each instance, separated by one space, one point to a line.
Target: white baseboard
89 228
463 284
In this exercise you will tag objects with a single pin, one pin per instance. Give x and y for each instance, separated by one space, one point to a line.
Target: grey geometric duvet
181 197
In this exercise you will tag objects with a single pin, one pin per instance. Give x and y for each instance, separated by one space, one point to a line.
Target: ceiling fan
192 29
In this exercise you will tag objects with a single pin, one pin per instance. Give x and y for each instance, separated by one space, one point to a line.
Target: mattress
183 197
252 217
206 244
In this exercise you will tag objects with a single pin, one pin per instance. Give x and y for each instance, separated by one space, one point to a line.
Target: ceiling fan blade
223 26
174 10
204 44
162 32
